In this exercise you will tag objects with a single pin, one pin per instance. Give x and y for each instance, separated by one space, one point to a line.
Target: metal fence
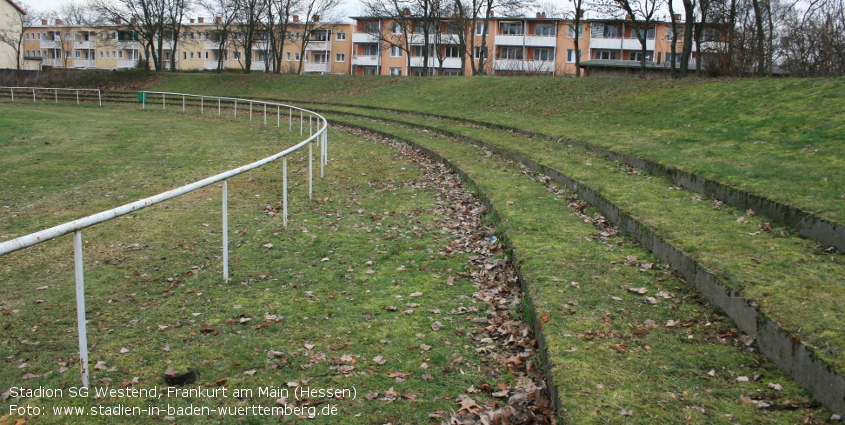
26 91
316 135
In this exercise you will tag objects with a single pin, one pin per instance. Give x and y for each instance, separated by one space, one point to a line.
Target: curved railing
51 90
316 135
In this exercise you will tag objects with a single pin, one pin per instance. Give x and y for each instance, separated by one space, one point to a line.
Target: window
669 33
370 71
340 36
120 54
395 71
571 32
419 51
192 55
167 56
395 52
199 56
296 36
320 36
101 54
637 32
606 54
476 54
296 56
453 28
206 54
340 57
320 57
453 52
371 27
511 28
421 28
570 55
287 56
77 54
396 28
482 28
184 55
511 53
604 31
544 54
451 73
236 55
638 56
371 50
709 34
547 30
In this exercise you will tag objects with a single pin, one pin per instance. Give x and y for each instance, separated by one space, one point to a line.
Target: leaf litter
507 342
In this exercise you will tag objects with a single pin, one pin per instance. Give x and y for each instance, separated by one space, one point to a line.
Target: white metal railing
318 135
55 92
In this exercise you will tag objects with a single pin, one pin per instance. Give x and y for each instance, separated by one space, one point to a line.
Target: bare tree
13 35
398 14
149 18
250 13
224 13
577 16
279 14
641 13
315 12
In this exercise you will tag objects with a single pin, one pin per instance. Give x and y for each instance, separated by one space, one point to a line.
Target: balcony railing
86 45
365 60
520 65
324 67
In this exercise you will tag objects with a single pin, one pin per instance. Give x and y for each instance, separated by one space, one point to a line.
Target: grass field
608 362
344 298
777 138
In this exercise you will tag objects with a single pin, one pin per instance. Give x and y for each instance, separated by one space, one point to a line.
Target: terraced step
621 183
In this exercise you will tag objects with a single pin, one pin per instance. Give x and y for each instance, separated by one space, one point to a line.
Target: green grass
154 284
791 280
776 138
659 374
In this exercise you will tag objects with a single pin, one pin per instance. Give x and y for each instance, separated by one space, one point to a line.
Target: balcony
619 43
434 39
362 37
126 63
527 40
452 63
212 64
214 45
84 63
55 63
319 45
128 45
523 65
258 66
323 67
365 60
51 44
85 45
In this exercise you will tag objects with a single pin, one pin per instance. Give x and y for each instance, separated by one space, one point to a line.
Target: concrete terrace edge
538 330
784 348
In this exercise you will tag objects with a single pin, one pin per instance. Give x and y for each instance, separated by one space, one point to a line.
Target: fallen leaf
268 245
467 403
250 372
101 365
641 291
436 326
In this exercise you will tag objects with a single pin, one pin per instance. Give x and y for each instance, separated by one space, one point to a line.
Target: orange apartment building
368 46
513 46
117 47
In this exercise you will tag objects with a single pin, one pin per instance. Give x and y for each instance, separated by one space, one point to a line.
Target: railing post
265 114
80 307
285 191
202 106
236 109
226 231
250 111
57 95
300 122
278 116
12 93
310 125
33 95
163 103
100 97
310 169
218 106
183 103
322 155
290 116
144 101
